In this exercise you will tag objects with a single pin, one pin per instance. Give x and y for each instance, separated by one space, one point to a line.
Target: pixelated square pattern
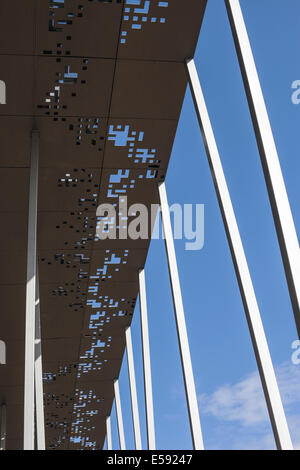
147 29
87 28
71 189
109 307
59 374
64 267
91 112
72 230
72 142
160 30
139 143
70 86
138 185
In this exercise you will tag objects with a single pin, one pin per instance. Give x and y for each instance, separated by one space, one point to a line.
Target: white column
3 428
119 416
39 396
133 393
282 214
108 433
146 362
31 296
186 362
260 345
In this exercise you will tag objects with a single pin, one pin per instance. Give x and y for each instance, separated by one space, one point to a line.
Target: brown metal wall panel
12 312
106 97
54 349
86 28
117 307
17 27
15 444
124 268
18 73
14 353
62 307
61 321
165 33
12 376
107 370
64 267
70 188
15 141
73 86
72 142
13 266
16 224
14 425
12 395
138 186
14 189
139 143
148 90
69 230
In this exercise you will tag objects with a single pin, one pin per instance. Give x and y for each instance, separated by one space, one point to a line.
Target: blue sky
232 409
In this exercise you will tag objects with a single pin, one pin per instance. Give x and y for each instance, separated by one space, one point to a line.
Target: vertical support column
39 397
119 415
260 345
2 353
3 427
282 214
133 394
146 362
31 296
108 433
186 361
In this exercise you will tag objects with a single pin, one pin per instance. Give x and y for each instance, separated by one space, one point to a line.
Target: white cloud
241 411
242 402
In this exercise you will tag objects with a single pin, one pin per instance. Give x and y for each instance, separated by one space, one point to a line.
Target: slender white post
260 345
186 361
39 397
108 433
3 428
133 393
31 296
282 214
2 353
146 362
119 415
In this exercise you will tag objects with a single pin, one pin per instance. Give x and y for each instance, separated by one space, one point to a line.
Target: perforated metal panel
103 82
